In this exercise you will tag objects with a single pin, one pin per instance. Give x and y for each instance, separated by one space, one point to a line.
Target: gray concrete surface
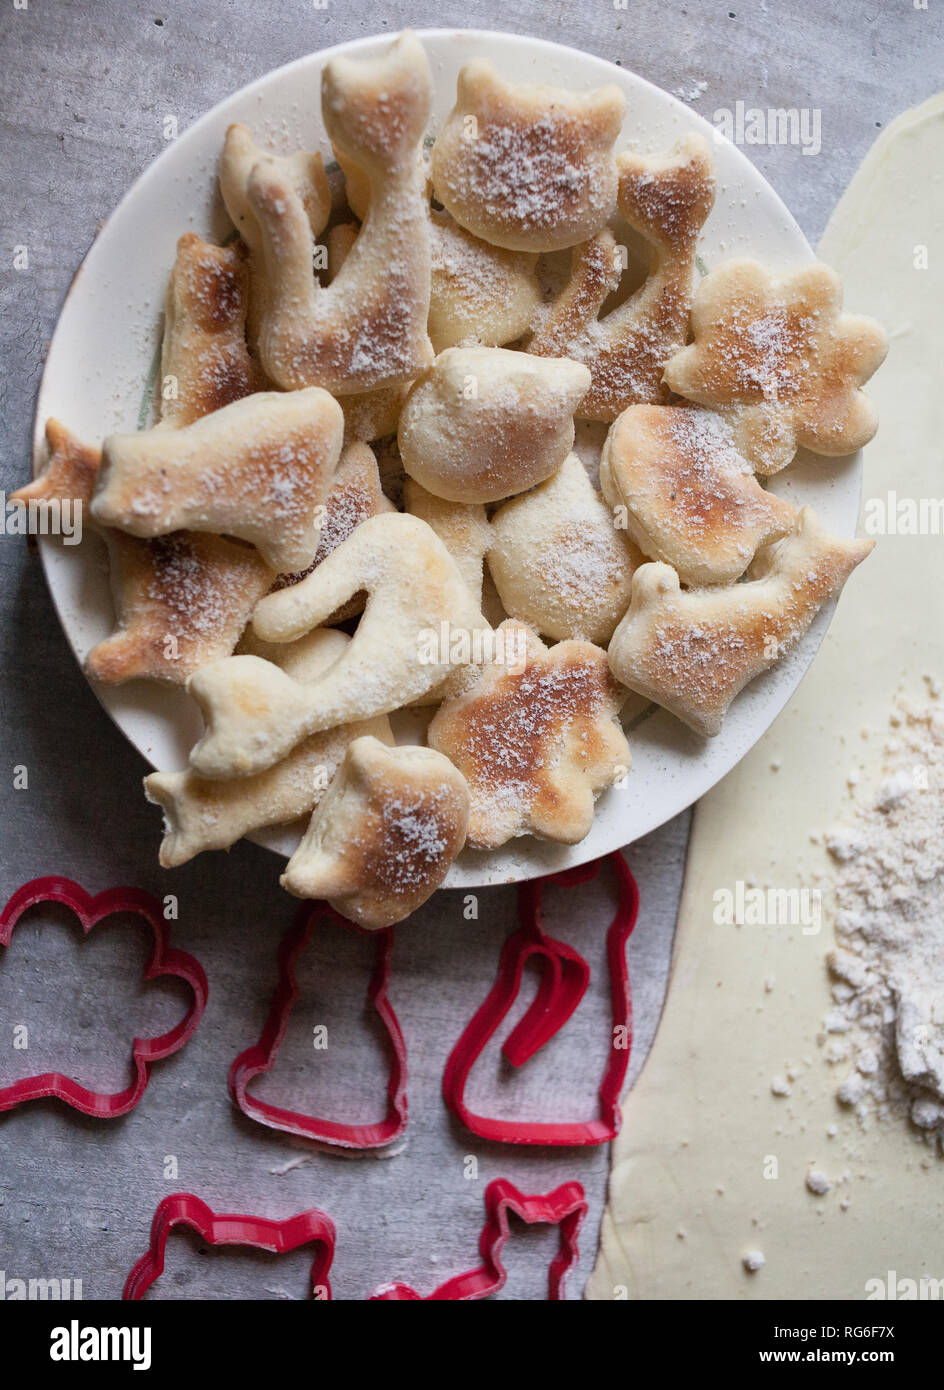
85 87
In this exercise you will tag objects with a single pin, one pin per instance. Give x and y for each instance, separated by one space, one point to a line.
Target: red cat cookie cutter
262 1056
279 1237
565 1208
563 982
164 961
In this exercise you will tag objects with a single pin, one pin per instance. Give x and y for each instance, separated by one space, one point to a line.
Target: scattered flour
693 90
818 1183
888 964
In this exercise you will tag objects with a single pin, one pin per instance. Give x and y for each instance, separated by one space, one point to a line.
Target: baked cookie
479 293
694 650
180 600
355 495
367 329
201 815
686 496
368 415
778 358
205 363
665 202
557 560
258 469
485 423
255 713
461 526
536 743
527 166
382 840
304 171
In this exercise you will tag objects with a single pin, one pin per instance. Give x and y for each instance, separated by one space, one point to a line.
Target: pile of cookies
363 496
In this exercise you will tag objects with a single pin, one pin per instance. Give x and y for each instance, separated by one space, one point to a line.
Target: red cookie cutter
565 1208
563 983
164 960
279 1237
262 1056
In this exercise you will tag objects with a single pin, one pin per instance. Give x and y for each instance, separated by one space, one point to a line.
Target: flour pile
888 964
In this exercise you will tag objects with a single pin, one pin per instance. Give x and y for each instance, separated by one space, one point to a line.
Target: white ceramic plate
105 342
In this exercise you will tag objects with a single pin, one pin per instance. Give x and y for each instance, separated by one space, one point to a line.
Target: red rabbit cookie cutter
164 961
279 1237
261 1057
565 1208
563 982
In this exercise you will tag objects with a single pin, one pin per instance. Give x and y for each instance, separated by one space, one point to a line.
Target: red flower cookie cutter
262 1056
562 986
279 1237
164 960
565 1208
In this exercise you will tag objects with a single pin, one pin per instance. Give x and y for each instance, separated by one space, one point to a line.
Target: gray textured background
85 86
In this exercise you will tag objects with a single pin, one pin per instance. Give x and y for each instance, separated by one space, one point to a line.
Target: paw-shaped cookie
527 166
779 359
536 740
383 837
665 202
693 650
686 496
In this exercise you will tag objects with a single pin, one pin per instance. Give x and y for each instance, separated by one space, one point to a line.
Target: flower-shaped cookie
536 741
781 361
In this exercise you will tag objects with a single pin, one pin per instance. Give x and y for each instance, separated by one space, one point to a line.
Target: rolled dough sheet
688 1193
